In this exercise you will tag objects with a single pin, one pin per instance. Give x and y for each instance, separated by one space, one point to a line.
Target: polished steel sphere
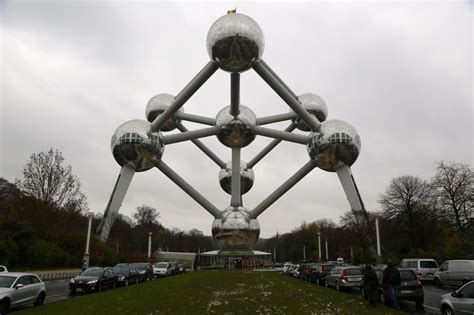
247 177
235 230
337 144
131 145
236 132
235 41
314 105
157 105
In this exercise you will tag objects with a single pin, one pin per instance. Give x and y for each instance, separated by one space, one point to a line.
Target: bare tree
355 222
146 216
404 199
454 184
46 178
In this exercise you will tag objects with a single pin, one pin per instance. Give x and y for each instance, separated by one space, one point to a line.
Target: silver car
344 277
17 288
460 301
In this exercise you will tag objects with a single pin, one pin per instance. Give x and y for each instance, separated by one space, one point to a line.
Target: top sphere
315 106
236 41
157 105
131 145
337 144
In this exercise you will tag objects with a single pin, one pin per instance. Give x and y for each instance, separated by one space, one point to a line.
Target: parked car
94 279
344 278
454 272
307 270
289 270
18 288
460 301
295 271
411 288
162 269
145 271
285 267
424 268
318 275
181 268
126 275
3 269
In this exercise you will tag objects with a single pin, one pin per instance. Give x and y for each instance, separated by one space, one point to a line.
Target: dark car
181 268
319 273
411 288
126 275
94 279
145 271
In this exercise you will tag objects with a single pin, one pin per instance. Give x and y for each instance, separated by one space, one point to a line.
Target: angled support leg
193 193
115 202
350 188
275 118
184 95
280 191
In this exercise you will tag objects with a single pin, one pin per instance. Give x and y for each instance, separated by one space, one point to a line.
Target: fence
57 275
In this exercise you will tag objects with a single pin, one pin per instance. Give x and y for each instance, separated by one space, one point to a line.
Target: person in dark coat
371 285
391 283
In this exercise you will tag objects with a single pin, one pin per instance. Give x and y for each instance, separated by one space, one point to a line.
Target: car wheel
99 288
337 287
4 305
40 299
126 282
438 283
447 310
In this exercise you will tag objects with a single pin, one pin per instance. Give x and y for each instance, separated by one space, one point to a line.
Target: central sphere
131 145
315 106
235 230
236 132
247 177
337 144
157 105
235 41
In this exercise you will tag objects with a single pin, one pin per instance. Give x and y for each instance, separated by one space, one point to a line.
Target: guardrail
57 275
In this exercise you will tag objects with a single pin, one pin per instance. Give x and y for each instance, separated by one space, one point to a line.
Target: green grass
216 292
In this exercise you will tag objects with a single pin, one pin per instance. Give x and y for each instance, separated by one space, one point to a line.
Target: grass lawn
216 292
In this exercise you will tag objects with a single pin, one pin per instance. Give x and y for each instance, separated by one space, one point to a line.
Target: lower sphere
235 230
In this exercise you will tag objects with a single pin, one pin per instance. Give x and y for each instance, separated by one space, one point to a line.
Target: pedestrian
391 283
371 285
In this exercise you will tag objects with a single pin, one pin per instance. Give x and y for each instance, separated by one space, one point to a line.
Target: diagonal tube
193 193
278 78
195 118
269 147
350 188
115 201
236 199
234 94
203 147
275 118
280 191
281 135
294 104
184 95
190 135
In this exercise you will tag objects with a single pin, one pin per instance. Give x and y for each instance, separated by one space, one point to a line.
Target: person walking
391 283
371 285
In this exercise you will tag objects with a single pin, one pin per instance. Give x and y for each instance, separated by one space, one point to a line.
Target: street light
85 259
327 256
379 253
149 245
319 245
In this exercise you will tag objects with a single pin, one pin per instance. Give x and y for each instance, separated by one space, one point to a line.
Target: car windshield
6 281
353 272
96 272
327 267
161 265
428 264
140 266
407 275
121 268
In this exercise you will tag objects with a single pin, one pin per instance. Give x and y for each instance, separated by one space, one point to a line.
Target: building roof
237 253
174 255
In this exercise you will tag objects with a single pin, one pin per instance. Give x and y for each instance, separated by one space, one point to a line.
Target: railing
57 275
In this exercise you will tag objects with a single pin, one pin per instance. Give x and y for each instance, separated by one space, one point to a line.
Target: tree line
417 218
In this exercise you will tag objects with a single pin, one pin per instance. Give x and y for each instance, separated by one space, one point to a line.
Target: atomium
235 43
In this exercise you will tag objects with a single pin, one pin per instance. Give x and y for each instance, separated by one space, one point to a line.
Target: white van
454 272
424 268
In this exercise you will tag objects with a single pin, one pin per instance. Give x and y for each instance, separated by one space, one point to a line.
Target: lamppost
149 246
379 253
85 259
304 252
319 246
327 256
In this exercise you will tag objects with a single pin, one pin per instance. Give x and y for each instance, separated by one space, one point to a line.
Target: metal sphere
247 178
131 145
236 132
314 105
235 230
236 41
157 105
337 144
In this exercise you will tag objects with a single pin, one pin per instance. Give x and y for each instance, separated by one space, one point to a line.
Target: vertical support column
236 199
327 256
319 246
149 246
379 253
234 94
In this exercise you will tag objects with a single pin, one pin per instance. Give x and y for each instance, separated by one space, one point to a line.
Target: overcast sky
399 72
